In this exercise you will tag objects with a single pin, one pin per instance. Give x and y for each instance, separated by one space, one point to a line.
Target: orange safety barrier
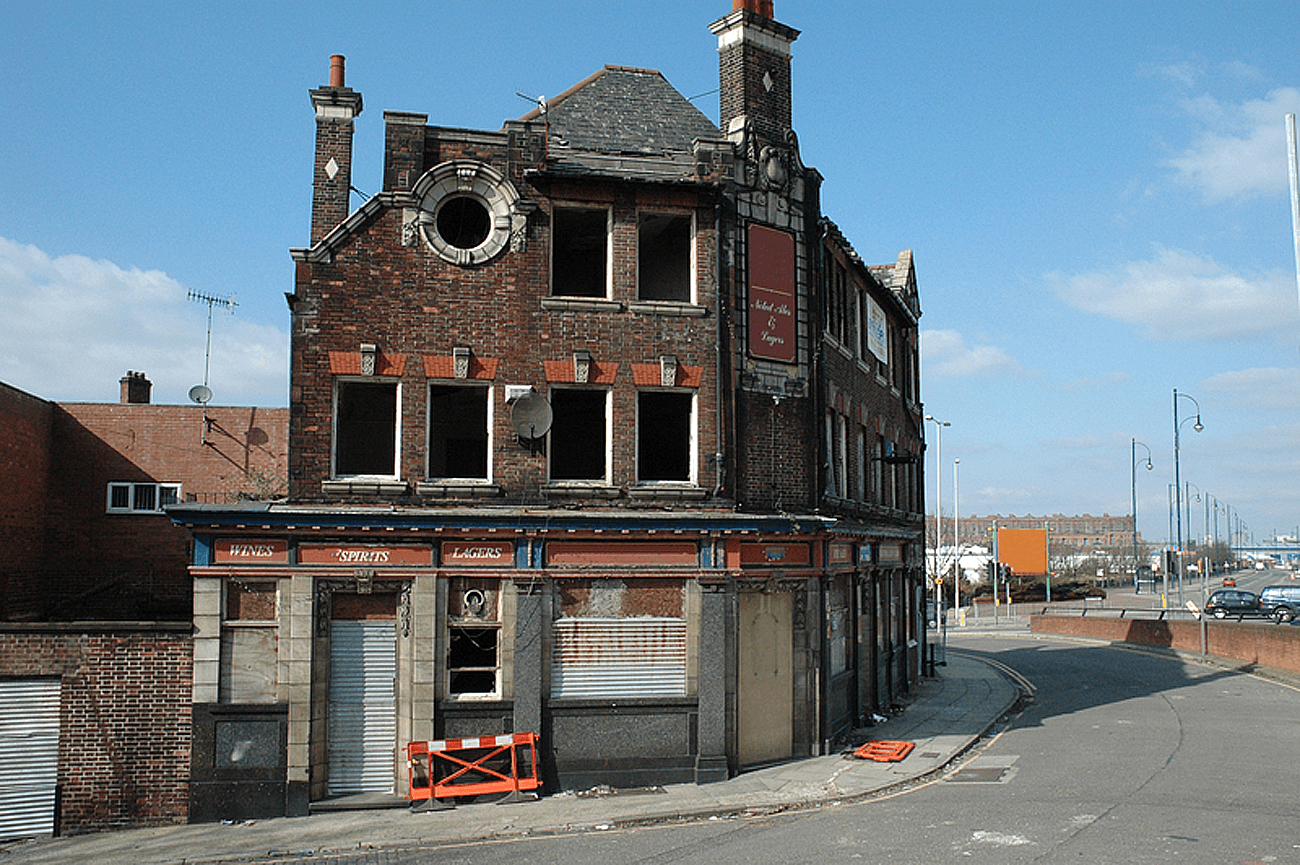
885 751
472 767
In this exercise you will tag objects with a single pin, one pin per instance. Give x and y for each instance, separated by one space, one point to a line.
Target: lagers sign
476 554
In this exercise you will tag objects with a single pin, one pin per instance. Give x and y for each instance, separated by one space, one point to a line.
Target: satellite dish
200 393
530 416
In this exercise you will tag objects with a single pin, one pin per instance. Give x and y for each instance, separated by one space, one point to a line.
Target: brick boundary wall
1262 643
124 725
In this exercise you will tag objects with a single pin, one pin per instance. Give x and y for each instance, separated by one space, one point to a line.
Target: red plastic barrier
472 767
885 751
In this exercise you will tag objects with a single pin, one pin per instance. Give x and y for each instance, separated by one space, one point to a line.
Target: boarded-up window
249 644
837 625
604 657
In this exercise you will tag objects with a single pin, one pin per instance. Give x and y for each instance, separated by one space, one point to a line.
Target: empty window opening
664 257
458 432
366 429
579 252
464 222
578 435
664 427
472 660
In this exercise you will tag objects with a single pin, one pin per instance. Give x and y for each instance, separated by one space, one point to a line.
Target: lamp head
1197 426
1149 466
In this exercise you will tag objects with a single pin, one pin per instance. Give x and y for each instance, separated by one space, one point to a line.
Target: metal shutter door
362 709
29 756
619 658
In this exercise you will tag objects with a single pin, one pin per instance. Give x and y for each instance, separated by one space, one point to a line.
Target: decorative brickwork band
349 363
444 366
600 372
650 375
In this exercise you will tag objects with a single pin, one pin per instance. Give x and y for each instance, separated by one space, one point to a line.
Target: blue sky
1096 194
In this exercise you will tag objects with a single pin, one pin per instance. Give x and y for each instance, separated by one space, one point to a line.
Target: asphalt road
1122 756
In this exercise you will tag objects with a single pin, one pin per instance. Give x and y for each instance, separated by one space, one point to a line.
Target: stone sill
440 490
663 307
581 304
580 490
668 492
374 487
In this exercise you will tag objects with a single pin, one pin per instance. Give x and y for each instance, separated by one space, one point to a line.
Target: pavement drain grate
986 775
929 755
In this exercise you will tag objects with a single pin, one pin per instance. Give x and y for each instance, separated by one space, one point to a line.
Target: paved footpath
944 717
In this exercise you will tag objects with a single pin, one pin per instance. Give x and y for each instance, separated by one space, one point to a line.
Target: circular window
463 222
467 211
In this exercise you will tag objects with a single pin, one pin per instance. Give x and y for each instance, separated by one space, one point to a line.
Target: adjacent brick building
95 598
599 429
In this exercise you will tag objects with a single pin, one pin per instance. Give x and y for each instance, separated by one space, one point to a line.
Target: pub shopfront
322 650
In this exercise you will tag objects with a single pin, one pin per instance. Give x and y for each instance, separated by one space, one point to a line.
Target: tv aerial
201 393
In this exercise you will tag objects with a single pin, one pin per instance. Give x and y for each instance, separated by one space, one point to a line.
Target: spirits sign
772 299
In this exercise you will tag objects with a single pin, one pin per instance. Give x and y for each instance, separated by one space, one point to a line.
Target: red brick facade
65 555
124 727
87 578
619 354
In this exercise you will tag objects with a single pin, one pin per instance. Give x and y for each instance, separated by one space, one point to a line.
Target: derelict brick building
599 430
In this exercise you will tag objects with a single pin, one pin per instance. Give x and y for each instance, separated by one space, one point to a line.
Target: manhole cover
984 774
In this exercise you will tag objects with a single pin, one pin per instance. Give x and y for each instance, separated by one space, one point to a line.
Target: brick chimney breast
136 389
336 108
754 70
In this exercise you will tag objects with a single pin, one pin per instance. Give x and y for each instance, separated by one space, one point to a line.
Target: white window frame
693 445
339 381
609 441
131 488
692 287
491 437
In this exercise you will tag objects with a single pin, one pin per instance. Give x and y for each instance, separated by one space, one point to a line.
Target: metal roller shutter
362 707
29 756
643 657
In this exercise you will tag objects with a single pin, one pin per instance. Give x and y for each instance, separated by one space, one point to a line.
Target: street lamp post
956 542
1178 505
938 514
1137 589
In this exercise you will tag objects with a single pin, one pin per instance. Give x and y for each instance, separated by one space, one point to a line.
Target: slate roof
624 121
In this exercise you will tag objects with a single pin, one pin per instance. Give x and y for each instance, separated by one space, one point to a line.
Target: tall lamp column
1137 589
938 510
1178 505
956 542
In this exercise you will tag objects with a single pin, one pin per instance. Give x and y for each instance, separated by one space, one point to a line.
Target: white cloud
945 354
1241 149
1178 294
1264 389
73 326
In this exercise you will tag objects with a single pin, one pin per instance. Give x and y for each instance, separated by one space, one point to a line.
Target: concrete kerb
946 718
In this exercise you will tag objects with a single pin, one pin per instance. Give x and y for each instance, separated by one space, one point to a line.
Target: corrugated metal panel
619 658
363 708
29 756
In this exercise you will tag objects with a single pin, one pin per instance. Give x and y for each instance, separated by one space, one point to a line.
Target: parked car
1232 602
1281 603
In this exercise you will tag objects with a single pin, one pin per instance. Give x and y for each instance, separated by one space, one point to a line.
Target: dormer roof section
623 122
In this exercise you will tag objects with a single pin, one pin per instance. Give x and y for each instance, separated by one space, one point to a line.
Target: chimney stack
754 70
136 389
336 107
758 7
